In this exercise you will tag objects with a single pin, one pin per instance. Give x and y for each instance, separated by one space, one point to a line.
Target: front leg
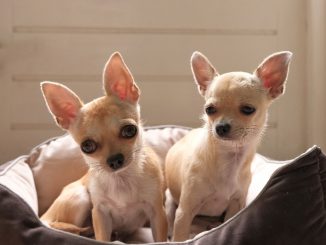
235 205
182 224
158 221
170 209
238 200
188 208
102 222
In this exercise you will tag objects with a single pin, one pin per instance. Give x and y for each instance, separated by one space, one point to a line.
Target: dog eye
210 110
128 131
247 110
88 146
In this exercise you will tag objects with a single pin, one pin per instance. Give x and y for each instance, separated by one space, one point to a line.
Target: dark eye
247 110
88 146
210 110
128 131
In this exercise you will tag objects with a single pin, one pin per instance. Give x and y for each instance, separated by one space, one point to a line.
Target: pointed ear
118 80
203 71
62 103
273 72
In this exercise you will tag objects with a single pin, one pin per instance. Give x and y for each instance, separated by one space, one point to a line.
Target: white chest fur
223 178
120 195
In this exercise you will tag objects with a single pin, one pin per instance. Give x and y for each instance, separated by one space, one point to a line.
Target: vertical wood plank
7 150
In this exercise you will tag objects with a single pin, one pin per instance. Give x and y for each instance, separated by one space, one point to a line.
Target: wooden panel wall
69 42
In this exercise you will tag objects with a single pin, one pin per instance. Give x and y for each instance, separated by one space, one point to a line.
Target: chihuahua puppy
208 171
123 187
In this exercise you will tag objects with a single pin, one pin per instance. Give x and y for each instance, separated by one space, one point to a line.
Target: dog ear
62 103
273 72
118 80
203 71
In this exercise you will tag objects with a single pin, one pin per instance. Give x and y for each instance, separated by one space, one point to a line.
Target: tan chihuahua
208 171
123 188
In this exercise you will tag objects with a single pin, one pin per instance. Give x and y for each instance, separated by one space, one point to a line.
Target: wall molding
143 31
27 78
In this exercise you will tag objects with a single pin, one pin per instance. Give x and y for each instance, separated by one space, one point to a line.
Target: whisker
136 151
97 167
244 132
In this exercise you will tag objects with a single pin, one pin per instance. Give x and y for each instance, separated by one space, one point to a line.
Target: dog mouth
239 135
100 168
115 163
227 138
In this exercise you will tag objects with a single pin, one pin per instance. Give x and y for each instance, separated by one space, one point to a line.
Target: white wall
316 73
69 42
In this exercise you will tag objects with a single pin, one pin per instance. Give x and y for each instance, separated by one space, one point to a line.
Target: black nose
222 129
116 161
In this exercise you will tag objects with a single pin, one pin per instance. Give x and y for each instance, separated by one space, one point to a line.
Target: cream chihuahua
123 188
208 171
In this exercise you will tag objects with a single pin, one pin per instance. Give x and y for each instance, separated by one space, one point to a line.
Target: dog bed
285 204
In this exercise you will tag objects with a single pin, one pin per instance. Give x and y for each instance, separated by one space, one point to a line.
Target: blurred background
70 41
